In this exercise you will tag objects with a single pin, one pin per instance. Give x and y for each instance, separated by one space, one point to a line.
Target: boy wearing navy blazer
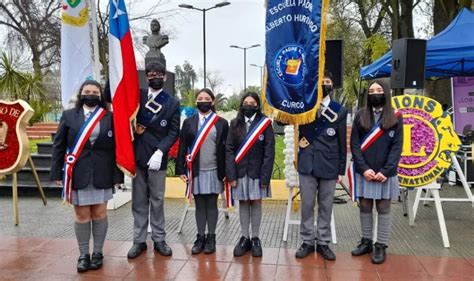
156 131
321 164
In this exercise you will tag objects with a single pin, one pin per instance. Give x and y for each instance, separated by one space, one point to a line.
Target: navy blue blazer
160 134
258 162
383 155
98 159
187 135
326 155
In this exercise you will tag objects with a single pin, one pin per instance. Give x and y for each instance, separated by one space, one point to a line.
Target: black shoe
97 260
163 248
304 250
326 252
136 250
364 247
83 263
198 246
242 247
210 246
256 247
379 253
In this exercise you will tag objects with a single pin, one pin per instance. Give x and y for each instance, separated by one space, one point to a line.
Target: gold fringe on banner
308 116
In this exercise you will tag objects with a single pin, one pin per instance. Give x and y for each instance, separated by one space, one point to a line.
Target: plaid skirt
207 182
377 190
91 196
249 189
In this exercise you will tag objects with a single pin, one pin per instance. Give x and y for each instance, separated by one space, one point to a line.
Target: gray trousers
310 187
148 194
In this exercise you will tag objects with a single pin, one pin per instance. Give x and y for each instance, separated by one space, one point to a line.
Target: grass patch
33 143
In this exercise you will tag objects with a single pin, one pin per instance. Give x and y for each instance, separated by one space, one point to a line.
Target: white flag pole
95 41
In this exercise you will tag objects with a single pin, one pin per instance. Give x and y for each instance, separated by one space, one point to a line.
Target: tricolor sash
73 153
367 141
194 149
251 138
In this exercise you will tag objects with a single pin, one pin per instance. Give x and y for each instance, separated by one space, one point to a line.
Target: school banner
295 48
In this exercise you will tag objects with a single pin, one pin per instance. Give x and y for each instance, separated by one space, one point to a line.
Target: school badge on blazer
14 146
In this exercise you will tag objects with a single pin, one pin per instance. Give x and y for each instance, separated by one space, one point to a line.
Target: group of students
213 154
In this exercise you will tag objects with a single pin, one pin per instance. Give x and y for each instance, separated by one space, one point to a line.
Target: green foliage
279 158
15 84
220 102
185 77
378 45
233 103
188 98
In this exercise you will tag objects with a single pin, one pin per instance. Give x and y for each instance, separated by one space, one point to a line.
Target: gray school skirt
376 190
249 189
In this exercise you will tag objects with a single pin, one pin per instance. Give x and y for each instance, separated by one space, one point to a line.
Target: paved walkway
43 247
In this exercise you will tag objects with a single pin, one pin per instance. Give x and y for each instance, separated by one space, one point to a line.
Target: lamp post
204 10
261 72
245 60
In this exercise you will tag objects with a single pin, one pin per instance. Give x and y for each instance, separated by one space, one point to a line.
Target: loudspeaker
334 62
408 64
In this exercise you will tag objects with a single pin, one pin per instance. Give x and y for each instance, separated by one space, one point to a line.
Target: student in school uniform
92 170
376 167
203 138
321 164
250 153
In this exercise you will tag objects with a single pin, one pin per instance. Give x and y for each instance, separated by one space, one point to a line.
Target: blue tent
449 53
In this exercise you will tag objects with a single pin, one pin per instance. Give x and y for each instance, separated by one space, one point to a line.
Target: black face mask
376 100
156 83
204 106
90 100
327 89
249 110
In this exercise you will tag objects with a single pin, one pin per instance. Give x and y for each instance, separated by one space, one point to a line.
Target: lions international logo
75 12
14 117
428 140
290 64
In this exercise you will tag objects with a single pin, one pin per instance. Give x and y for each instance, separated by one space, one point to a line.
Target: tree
185 77
401 15
444 11
35 26
214 80
152 11
15 84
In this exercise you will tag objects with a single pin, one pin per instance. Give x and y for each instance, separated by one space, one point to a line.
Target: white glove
154 163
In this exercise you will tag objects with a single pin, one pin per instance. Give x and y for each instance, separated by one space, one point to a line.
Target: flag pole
95 42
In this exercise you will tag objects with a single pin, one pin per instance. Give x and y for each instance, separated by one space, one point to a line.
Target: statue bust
155 42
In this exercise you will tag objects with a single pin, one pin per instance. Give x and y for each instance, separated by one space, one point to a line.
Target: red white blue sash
367 141
74 152
194 149
251 138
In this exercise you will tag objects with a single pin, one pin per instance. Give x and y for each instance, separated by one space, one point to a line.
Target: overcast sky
242 23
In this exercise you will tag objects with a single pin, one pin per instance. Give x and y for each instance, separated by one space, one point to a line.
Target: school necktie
150 96
87 115
203 120
248 123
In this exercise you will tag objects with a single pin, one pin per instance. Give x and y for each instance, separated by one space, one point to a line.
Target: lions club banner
429 140
295 48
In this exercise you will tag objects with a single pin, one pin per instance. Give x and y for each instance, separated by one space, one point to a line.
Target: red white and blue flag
124 87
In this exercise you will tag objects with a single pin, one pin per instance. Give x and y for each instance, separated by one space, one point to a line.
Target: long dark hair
239 123
102 103
210 93
366 114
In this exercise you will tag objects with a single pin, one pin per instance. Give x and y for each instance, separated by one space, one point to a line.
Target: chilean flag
124 86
